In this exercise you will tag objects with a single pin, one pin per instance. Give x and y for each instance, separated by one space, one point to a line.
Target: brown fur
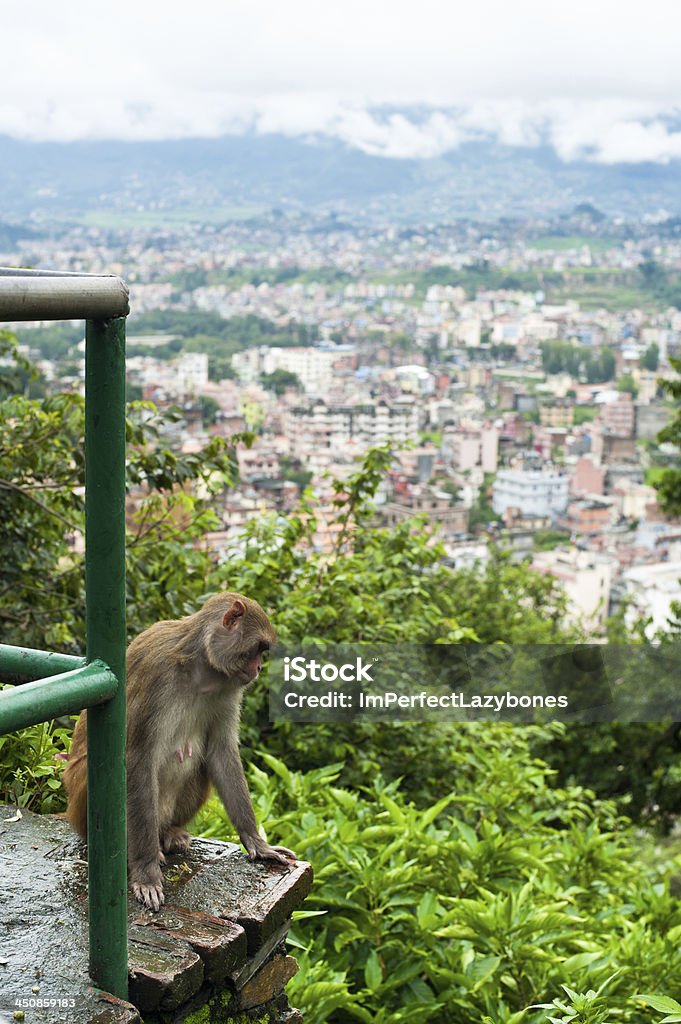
185 682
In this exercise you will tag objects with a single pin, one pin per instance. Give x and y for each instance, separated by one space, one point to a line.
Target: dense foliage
668 483
476 907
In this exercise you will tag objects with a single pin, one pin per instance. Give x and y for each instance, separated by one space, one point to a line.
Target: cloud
597 81
605 131
608 135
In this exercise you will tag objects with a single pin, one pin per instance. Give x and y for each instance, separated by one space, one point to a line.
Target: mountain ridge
480 179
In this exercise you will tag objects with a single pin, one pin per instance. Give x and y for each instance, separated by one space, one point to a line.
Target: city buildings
325 339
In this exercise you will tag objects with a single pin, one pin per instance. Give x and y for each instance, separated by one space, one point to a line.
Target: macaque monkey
185 682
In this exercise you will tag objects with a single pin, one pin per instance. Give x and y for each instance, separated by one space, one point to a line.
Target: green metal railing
63 684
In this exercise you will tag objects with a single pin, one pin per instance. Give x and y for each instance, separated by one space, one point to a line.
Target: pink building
618 417
588 478
472 445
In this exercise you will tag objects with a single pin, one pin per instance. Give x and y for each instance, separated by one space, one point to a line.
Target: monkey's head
238 636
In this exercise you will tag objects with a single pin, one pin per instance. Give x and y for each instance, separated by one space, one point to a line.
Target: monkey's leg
75 784
75 778
175 839
144 853
192 796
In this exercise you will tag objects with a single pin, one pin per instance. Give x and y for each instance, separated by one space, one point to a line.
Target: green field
562 243
592 295
125 219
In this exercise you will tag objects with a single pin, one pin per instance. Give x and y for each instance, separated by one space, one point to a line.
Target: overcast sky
598 78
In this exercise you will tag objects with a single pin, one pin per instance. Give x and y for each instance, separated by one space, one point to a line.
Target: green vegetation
209 410
547 540
627 384
30 767
196 325
506 353
482 513
280 381
651 358
449 487
58 341
464 872
192 331
596 366
481 276
668 482
654 475
584 414
562 243
430 437
478 906
236 277
648 287
41 511
125 219
292 469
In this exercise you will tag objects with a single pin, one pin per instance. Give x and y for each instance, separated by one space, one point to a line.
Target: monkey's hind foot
175 840
147 885
150 895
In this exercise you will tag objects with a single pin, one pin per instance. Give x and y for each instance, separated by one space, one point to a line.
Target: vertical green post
106 639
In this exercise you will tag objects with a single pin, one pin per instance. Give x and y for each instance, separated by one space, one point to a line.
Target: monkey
185 683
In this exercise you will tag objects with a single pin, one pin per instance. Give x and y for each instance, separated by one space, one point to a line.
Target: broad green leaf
373 975
664 1004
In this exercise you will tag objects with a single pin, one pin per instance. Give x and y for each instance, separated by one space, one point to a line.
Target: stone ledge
164 972
221 944
217 944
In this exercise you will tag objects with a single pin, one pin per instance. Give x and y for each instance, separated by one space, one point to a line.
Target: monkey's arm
227 775
144 855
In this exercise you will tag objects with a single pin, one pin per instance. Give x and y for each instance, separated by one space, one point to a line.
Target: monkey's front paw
147 885
258 849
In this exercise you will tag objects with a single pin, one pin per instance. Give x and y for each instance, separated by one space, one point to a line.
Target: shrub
480 906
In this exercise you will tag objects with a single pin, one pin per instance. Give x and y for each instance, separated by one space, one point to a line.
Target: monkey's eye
263 647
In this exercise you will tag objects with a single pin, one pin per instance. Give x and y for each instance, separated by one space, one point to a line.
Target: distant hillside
235 173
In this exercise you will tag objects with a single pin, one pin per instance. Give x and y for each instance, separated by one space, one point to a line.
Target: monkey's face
253 661
242 639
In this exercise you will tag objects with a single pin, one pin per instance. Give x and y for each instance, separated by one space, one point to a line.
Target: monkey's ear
233 614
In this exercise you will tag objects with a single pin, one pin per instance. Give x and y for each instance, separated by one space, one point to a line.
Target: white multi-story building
415 379
192 372
248 365
314 367
586 578
366 423
533 492
469 332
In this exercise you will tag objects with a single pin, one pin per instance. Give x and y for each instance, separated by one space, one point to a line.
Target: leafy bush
31 764
479 907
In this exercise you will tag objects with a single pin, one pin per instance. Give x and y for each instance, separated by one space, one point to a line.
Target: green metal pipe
106 639
64 694
24 661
